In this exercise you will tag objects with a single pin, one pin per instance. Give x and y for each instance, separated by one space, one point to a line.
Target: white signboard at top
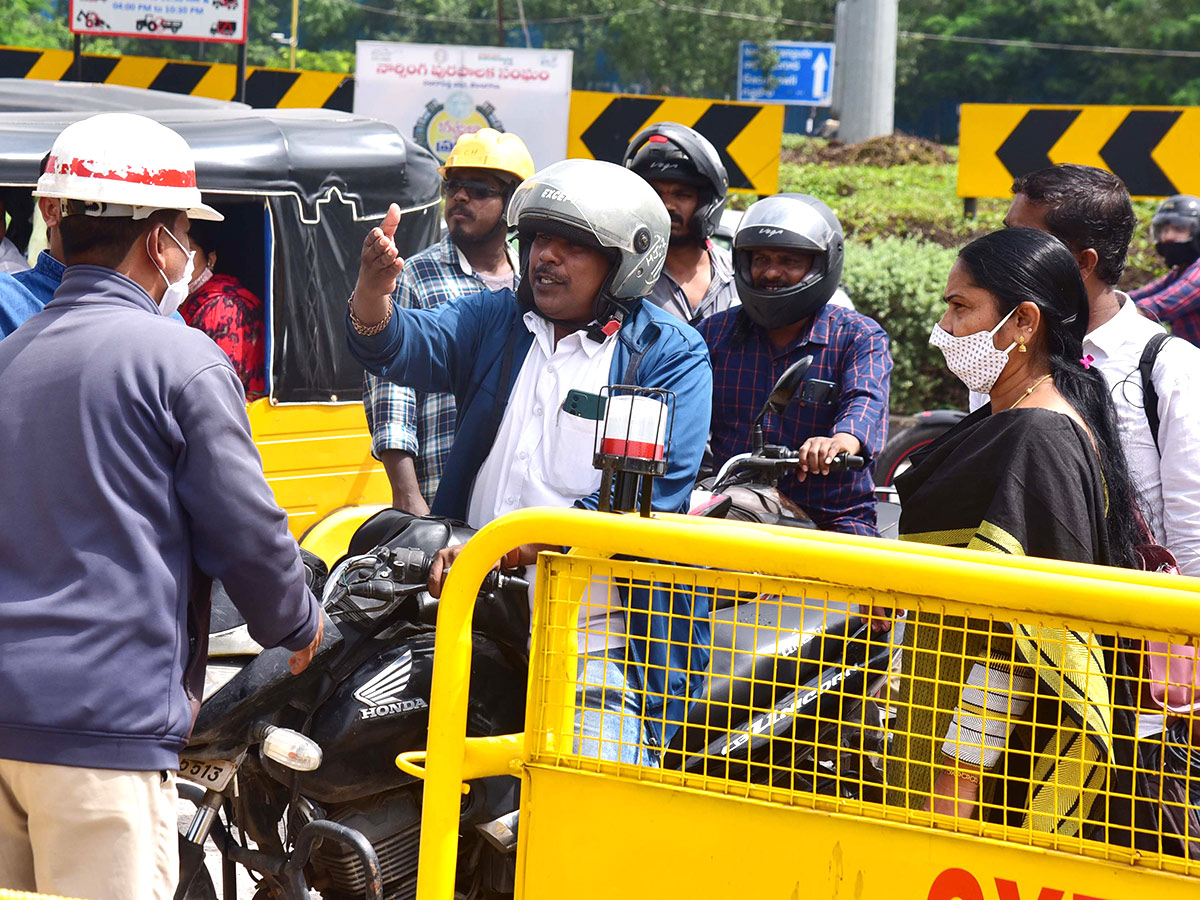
435 92
176 20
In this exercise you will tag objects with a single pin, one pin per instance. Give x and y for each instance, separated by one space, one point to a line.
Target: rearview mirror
788 384
781 395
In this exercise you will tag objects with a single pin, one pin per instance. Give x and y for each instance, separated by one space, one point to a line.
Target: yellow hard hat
488 148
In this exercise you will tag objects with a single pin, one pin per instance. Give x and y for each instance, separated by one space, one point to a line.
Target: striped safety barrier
265 88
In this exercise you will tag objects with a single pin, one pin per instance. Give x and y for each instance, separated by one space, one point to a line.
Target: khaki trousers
94 834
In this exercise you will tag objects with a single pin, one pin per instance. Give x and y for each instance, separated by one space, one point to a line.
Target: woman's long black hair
1020 264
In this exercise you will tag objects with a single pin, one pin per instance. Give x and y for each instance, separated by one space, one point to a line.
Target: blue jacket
25 293
129 474
44 278
465 346
16 304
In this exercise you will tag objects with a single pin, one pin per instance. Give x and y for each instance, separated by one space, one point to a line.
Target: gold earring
1021 348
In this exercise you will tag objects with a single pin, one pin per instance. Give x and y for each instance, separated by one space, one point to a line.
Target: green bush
899 282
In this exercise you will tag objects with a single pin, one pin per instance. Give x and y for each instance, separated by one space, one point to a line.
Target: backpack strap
1149 394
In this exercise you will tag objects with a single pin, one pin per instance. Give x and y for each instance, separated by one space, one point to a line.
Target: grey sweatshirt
126 467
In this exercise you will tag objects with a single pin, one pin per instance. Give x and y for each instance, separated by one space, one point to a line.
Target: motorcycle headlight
291 749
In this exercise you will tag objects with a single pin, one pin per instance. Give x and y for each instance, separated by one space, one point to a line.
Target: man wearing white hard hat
130 480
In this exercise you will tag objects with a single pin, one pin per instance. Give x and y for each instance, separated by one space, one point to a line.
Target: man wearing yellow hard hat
410 432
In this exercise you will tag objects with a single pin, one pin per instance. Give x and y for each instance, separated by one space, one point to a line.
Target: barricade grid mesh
980 721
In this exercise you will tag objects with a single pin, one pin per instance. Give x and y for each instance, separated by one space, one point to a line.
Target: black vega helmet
792 222
668 151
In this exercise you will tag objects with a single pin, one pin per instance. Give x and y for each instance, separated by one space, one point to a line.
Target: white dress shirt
1168 485
542 456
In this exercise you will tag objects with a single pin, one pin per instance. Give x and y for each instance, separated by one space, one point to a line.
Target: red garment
233 317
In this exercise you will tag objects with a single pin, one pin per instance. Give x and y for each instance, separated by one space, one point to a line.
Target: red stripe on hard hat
176 178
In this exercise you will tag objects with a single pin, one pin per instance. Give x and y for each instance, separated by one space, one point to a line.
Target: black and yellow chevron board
747 135
1155 150
265 88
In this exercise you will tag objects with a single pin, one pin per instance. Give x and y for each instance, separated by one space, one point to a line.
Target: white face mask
974 358
177 291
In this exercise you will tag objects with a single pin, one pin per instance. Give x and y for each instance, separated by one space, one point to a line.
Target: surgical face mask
973 358
177 291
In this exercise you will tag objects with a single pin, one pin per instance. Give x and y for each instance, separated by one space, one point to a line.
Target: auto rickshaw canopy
300 189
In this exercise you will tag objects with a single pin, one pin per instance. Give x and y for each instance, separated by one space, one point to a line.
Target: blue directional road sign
803 76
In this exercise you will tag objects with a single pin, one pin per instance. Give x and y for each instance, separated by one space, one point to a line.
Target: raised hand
379 267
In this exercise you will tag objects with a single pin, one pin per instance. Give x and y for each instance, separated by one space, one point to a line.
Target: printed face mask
973 358
200 280
177 291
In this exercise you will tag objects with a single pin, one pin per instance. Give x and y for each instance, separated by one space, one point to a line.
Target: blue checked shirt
849 350
398 417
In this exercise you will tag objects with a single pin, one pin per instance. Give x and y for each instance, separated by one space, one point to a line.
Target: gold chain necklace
1031 389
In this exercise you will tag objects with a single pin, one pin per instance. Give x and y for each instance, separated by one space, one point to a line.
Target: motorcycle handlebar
496 580
849 462
404 569
774 457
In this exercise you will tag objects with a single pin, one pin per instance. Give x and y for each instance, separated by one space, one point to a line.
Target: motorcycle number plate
213 774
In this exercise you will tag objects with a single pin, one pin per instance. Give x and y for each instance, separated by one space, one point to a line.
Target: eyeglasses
476 190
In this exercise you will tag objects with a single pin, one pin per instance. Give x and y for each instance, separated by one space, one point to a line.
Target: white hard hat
119 164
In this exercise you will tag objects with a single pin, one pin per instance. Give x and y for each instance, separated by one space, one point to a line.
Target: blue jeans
608 720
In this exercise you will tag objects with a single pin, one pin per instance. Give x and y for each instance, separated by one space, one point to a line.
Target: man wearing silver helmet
787 258
686 172
592 238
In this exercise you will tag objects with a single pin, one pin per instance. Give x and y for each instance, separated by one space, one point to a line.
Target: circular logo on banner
444 122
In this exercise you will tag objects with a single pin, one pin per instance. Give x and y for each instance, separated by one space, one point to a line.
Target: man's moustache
547 271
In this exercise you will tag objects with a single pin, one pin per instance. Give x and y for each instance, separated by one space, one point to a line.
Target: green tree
935 75
34 23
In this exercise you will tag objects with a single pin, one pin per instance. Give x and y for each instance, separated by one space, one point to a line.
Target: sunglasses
476 190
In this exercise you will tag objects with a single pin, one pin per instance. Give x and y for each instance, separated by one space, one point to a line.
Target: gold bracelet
369 330
966 775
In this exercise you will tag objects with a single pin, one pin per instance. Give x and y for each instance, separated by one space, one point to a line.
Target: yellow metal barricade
982 746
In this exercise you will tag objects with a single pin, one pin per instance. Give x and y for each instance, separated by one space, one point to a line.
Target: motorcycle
786 699
303 765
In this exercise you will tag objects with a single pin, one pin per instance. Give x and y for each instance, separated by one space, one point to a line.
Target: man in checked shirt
787 259
411 433
1175 297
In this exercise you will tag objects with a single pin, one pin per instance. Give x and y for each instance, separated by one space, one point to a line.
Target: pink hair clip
1087 360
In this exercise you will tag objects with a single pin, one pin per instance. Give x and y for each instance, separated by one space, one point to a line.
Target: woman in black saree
1018 723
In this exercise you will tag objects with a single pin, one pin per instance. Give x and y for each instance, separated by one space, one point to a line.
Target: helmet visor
1175 226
